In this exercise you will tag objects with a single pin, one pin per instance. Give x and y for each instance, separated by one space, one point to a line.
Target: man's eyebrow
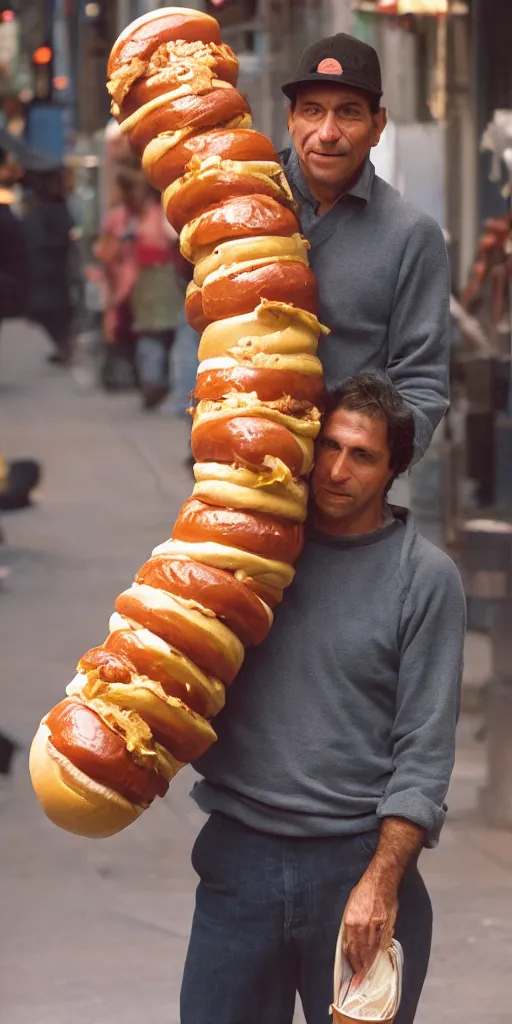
351 447
365 449
350 102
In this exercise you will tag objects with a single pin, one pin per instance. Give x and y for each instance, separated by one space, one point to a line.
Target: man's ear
289 118
380 120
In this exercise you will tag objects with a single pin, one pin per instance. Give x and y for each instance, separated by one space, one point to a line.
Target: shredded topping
170 62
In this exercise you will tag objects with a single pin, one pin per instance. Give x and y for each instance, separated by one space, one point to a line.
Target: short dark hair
372 101
373 393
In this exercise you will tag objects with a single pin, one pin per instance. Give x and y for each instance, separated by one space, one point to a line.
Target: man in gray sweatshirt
381 263
335 747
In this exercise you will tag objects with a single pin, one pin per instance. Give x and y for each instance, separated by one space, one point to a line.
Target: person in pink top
115 250
156 300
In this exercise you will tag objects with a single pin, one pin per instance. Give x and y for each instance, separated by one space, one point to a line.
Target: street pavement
96 932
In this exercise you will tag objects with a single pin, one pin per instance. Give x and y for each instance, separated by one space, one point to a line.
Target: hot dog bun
207 182
72 800
140 703
274 491
166 158
249 441
268 377
241 217
184 108
169 66
272 327
249 618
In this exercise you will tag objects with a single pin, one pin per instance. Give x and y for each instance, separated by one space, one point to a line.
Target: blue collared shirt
383 277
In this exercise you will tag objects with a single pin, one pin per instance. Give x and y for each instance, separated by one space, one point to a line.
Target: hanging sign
435 7
422 6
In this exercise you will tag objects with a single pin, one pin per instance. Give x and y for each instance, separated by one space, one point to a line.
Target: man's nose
329 131
339 470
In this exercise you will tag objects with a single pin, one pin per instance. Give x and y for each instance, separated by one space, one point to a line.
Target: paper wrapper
376 999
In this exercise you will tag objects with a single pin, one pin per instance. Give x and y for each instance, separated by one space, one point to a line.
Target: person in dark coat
48 228
14 277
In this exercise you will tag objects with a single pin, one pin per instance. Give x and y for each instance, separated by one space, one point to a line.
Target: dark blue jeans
267 916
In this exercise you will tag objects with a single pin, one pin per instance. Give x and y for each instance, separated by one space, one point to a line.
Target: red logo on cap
330 66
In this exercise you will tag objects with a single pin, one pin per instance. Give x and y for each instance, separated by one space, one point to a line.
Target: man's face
351 468
333 130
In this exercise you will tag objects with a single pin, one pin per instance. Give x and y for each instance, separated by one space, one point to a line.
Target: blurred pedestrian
115 251
14 272
381 263
50 237
16 478
157 299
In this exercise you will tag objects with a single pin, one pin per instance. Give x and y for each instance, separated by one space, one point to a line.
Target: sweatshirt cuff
416 807
422 433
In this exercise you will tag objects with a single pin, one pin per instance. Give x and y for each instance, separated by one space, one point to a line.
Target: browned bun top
194 308
82 736
127 644
245 216
144 35
268 385
197 111
194 631
164 165
199 192
213 588
230 144
246 441
171 65
238 289
301 417
252 531
170 669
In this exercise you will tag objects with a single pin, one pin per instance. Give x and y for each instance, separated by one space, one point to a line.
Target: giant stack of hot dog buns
141 705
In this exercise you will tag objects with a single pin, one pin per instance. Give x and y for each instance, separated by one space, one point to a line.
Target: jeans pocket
202 843
368 841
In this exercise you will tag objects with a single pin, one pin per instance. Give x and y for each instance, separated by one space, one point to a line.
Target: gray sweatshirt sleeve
431 646
419 330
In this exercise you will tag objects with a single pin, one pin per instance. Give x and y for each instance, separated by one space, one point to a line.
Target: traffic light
42 70
42 56
96 19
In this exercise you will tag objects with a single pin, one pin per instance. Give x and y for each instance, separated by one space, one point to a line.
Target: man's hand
369 919
370 914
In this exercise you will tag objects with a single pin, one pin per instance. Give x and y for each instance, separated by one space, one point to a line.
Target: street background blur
94 467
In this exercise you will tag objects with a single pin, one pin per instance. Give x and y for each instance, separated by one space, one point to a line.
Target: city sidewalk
96 932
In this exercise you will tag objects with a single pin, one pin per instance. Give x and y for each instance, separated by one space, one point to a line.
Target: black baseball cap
342 59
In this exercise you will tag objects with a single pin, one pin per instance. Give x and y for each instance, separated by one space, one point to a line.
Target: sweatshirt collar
395 518
360 190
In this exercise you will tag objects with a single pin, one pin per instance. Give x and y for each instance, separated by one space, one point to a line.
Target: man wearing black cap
381 263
